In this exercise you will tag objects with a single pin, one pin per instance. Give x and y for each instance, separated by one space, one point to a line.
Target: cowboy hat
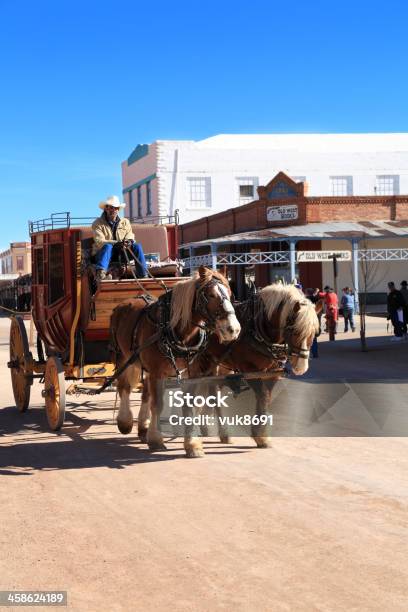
112 201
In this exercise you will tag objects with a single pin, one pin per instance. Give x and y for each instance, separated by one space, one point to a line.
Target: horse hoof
225 440
125 428
262 443
157 446
142 433
194 453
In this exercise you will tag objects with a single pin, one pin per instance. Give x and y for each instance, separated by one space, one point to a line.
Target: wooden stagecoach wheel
54 393
20 364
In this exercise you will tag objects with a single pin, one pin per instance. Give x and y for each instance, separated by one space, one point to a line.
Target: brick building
16 259
286 233
198 178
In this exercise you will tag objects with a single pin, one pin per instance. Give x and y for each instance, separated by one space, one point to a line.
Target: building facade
200 178
286 233
15 280
16 259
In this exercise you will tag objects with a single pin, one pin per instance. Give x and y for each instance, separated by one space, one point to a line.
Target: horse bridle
202 302
292 350
295 351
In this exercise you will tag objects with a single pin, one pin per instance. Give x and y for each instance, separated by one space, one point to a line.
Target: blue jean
313 349
348 314
105 254
398 326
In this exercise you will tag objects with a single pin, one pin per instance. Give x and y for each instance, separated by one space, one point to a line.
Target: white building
211 175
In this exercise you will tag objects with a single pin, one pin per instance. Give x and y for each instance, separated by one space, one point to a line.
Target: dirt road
309 524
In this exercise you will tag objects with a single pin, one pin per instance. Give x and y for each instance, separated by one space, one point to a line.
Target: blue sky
82 83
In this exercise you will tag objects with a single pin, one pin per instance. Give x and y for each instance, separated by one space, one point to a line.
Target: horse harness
169 344
257 337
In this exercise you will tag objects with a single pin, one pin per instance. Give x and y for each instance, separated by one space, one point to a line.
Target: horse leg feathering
154 435
143 420
125 415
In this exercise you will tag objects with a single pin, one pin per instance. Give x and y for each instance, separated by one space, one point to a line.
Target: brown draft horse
277 323
169 333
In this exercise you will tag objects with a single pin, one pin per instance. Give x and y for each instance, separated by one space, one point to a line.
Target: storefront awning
335 230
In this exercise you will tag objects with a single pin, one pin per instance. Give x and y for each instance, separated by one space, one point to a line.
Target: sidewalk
344 358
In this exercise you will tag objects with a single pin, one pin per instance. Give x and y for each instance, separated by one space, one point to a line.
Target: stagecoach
71 311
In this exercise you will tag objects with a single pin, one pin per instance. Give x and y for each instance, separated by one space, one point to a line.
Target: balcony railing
64 220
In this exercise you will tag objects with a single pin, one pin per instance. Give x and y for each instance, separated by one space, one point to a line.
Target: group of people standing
331 310
347 306
397 308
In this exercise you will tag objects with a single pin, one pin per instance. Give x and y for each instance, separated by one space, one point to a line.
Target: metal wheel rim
19 350
54 393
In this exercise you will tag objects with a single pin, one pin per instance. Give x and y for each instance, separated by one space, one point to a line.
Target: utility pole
333 257
335 271
332 323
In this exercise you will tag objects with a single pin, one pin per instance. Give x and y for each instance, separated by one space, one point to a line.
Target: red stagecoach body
70 311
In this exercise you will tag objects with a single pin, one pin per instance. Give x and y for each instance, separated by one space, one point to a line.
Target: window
387 184
20 263
148 199
38 266
139 202
199 192
247 189
56 272
341 185
130 204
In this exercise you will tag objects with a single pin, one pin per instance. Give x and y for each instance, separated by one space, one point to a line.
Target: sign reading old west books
282 213
311 256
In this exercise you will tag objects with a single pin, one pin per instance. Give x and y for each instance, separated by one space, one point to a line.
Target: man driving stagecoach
111 234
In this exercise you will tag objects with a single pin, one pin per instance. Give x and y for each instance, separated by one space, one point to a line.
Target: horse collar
170 345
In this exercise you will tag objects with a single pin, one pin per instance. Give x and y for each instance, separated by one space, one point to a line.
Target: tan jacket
102 232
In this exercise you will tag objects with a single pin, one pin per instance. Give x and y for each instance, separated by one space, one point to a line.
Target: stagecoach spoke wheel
54 393
20 364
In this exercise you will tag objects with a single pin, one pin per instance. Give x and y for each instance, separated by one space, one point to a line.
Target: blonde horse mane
289 296
183 293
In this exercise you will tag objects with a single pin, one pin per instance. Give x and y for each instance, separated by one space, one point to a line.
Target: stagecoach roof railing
64 220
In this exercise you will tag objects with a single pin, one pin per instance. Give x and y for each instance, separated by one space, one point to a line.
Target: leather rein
172 346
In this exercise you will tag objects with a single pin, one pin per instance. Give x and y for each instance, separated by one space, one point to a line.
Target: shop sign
311 256
282 213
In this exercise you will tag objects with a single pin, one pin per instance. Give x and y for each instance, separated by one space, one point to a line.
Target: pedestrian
404 291
348 306
313 296
395 308
331 309
297 284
